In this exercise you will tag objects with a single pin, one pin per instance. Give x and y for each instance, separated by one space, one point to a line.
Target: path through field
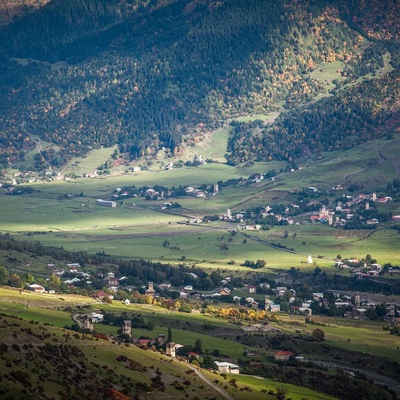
213 385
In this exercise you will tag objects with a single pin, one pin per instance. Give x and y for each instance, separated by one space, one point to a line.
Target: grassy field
138 228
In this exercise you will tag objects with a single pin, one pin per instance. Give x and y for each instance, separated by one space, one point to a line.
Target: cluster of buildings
342 211
265 212
358 268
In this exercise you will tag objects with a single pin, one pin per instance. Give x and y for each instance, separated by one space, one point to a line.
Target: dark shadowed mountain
142 74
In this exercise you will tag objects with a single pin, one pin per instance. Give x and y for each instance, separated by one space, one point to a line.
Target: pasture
138 228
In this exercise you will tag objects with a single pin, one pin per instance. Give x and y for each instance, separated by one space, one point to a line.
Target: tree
169 336
4 275
281 393
261 263
208 362
317 271
15 281
318 335
198 346
29 278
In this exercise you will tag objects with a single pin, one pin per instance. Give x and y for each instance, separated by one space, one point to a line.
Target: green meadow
137 228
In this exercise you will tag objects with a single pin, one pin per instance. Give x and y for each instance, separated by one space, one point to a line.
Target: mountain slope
11 10
142 74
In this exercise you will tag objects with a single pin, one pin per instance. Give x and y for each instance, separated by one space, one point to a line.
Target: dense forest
142 74
344 120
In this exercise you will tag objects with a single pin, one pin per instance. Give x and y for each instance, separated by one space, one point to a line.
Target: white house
97 317
223 366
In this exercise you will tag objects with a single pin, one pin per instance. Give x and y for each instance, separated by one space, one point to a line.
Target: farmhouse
100 295
283 355
227 367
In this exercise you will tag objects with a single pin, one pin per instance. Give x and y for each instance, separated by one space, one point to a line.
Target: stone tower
357 300
86 322
127 328
267 301
170 351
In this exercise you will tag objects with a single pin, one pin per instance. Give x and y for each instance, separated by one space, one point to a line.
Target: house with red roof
100 295
283 355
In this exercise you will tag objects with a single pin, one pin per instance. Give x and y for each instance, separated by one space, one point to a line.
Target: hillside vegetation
143 74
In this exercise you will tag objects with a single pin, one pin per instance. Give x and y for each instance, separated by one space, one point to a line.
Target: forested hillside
11 10
142 74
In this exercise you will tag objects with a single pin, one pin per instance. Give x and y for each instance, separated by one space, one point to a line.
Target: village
267 296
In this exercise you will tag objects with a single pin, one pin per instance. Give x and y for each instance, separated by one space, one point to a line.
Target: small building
164 286
96 317
145 342
317 296
37 288
253 305
227 367
111 281
100 295
251 289
283 355
274 307
106 203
